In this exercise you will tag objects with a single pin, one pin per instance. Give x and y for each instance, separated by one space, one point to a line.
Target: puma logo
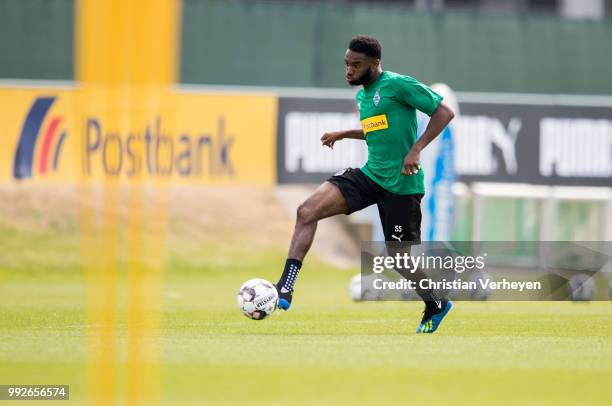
396 237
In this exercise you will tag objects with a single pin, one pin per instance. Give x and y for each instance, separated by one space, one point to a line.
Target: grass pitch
325 351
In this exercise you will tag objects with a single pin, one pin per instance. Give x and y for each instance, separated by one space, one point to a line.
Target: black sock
287 280
432 302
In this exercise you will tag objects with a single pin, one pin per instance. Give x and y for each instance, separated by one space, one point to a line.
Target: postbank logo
62 136
375 123
51 138
155 152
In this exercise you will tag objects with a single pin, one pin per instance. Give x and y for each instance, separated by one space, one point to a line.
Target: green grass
325 351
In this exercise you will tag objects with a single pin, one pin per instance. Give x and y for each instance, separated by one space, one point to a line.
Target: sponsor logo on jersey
375 123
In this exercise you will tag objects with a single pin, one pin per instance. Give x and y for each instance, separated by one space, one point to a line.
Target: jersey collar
371 86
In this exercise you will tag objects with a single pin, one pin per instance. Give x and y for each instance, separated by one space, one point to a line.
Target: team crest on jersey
376 98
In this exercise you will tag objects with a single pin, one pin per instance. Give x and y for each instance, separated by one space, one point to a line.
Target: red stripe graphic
44 156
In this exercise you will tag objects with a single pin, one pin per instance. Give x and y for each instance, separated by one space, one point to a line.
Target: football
362 289
257 299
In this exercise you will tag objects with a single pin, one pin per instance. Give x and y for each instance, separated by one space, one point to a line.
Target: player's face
359 67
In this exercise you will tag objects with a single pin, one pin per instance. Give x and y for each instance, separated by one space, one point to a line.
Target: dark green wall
258 43
302 44
36 39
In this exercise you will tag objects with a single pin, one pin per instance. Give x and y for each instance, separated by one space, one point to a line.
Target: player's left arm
438 121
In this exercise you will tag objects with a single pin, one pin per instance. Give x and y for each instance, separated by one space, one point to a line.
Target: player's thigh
358 190
400 216
325 201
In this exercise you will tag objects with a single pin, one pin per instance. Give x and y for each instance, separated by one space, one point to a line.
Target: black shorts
400 215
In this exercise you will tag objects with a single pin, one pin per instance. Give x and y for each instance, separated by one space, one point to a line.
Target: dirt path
249 217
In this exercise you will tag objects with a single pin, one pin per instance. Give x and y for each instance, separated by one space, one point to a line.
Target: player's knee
305 214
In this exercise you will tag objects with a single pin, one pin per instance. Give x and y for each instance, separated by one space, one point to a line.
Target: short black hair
367 45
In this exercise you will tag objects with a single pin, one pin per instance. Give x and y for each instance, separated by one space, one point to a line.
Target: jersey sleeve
414 93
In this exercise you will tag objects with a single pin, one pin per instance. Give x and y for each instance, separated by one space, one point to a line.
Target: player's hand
411 163
328 139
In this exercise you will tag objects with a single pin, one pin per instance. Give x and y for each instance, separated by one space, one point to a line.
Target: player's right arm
330 138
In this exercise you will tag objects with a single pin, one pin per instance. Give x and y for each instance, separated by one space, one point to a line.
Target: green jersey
387 110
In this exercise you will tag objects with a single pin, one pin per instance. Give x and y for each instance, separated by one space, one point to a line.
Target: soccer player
391 178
